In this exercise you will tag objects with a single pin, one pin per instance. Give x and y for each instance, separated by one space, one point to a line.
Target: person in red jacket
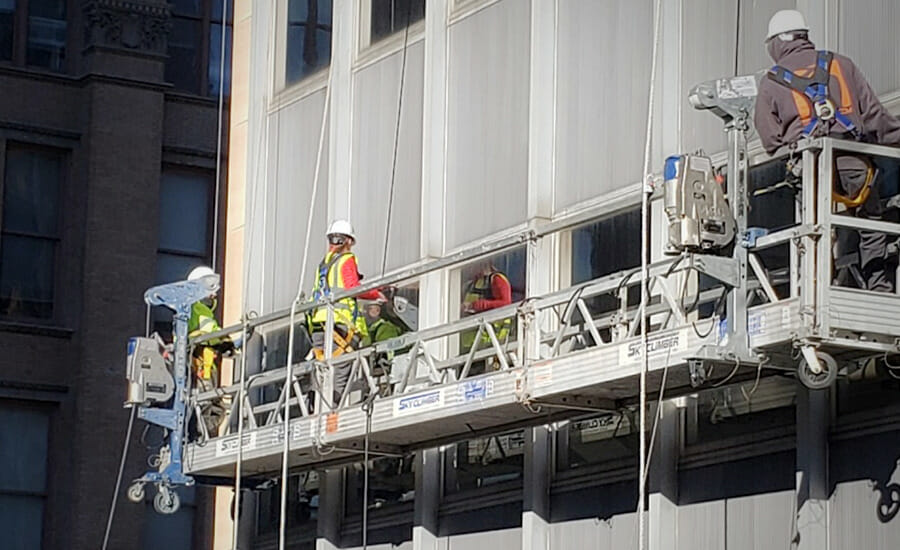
489 289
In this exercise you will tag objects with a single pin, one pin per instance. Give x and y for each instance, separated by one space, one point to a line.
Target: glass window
183 65
390 16
30 227
47 34
486 462
215 60
605 247
302 505
23 474
184 231
392 481
609 438
308 38
7 27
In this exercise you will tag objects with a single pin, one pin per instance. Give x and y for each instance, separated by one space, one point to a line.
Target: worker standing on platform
205 357
489 289
813 93
339 271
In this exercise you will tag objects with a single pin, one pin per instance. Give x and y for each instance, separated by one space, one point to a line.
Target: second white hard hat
786 21
341 227
199 272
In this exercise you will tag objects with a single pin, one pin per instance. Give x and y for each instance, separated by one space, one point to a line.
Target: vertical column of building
341 106
811 523
662 481
433 286
331 509
123 98
542 259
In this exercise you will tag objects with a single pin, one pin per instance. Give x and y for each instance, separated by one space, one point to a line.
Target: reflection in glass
7 26
183 63
47 34
215 60
390 16
308 38
487 461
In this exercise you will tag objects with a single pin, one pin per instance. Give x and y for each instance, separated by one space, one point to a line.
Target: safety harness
815 91
321 291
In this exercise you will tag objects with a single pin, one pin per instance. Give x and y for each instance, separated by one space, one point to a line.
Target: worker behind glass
488 289
811 93
339 271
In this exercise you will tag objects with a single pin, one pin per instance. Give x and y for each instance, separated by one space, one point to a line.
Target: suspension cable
286 391
115 499
219 124
239 463
390 211
645 272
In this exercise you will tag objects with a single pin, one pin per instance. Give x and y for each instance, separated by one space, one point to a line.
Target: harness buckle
825 109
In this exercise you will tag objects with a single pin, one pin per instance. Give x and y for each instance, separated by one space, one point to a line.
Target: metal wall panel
754 24
707 52
506 539
295 134
487 134
603 74
760 522
701 526
868 35
615 533
854 522
375 99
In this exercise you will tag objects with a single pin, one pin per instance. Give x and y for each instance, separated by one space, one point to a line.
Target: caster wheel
166 501
136 492
821 380
889 503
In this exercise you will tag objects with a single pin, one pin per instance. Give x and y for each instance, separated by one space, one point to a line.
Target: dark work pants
341 372
872 245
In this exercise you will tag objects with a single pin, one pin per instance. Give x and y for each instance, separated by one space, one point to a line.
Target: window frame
47 410
20 39
206 20
368 52
285 92
55 317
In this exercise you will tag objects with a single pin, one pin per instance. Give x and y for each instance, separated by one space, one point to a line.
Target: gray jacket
777 117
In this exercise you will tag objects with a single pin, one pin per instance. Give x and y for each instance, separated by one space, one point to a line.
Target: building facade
436 126
108 157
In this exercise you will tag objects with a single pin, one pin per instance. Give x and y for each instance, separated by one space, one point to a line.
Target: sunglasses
337 240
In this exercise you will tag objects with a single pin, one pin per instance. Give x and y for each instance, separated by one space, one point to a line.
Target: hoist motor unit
149 380
698 213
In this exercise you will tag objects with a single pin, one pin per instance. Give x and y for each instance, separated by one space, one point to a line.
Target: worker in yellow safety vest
205 357
339 271
489 289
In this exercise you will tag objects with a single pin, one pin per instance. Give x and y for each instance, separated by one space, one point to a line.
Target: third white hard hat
341 227
786 21
199 272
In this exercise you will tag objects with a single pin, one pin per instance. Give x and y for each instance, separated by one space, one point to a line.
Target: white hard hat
341 227
199 272
786 21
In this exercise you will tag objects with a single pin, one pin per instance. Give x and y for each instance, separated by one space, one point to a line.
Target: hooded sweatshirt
777 117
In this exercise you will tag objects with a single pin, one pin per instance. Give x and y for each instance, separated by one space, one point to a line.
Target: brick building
108 138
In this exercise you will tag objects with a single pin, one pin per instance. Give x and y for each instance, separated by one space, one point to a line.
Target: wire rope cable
286 391
645 268
115 499
390 211
219 127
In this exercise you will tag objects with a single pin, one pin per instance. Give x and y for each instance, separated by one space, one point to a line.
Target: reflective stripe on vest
330 278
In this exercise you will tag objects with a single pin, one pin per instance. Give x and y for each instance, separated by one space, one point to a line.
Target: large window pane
184 212
23 449
605 439
47 34
389 16
487 461
31 191
183 65
302 505
188 7
217 10
20 522
215 60
26 276
7 24
308 38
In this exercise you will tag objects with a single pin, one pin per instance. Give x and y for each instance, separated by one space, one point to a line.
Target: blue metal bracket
179 297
